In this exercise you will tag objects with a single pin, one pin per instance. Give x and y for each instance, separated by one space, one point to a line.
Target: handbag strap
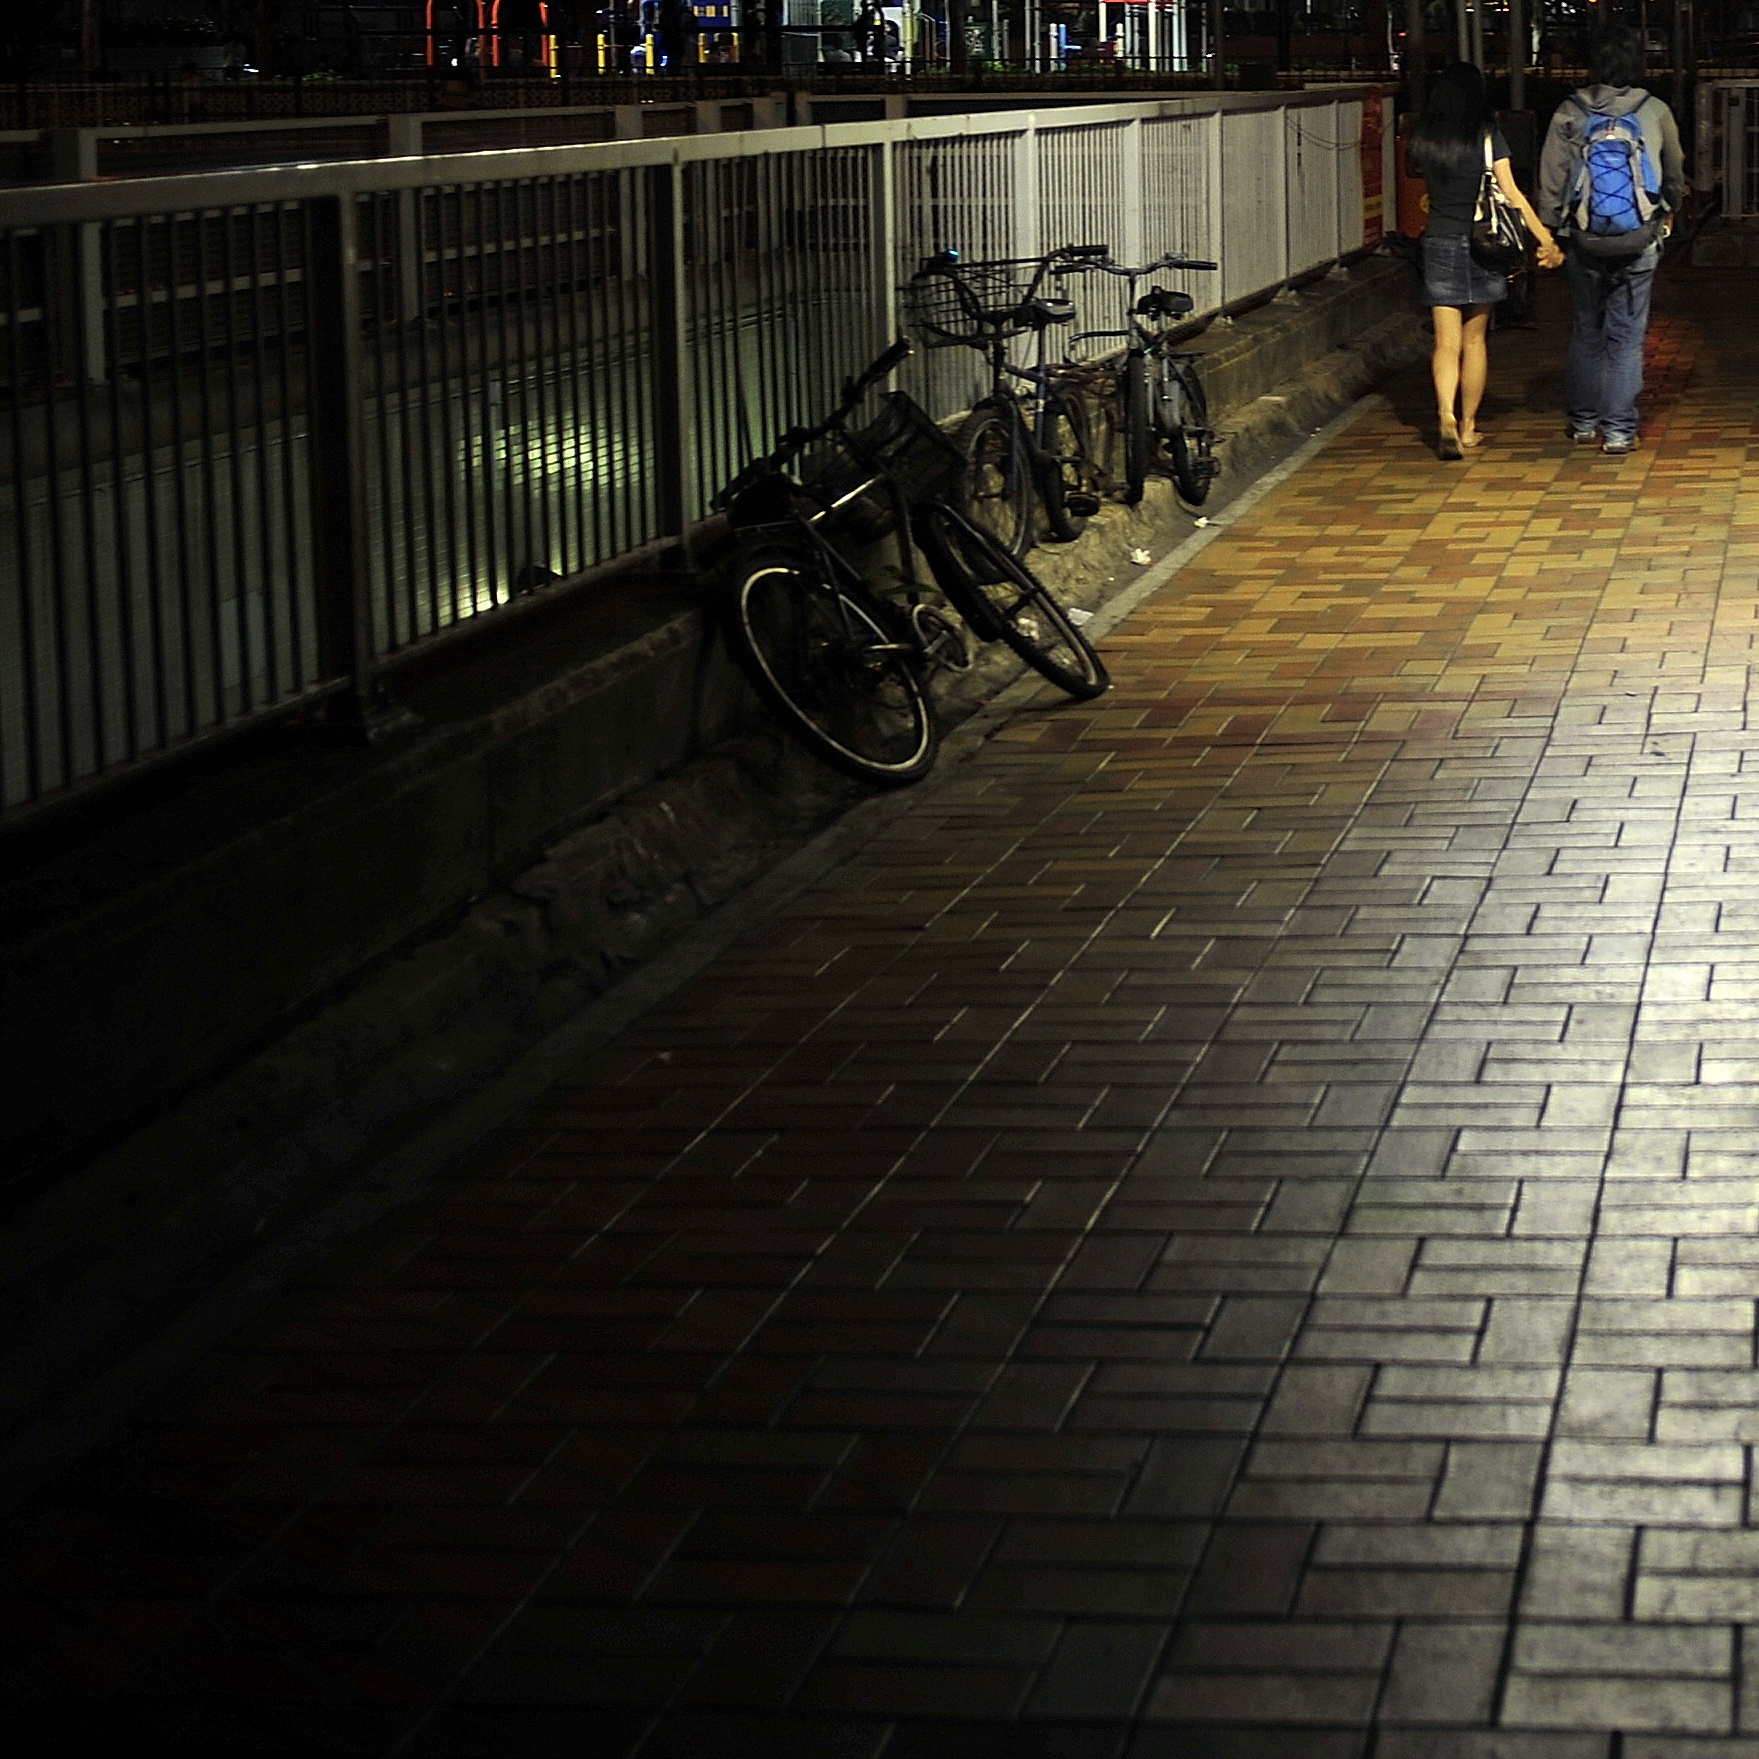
1489 155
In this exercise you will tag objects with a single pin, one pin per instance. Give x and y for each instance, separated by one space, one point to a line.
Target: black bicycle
1162 409
843 648
1027 442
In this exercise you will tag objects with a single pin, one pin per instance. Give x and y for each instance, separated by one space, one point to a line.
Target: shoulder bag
1499 234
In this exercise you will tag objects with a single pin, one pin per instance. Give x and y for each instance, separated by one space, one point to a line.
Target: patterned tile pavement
1229 1230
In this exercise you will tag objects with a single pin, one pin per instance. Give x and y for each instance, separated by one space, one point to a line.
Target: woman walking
1448 151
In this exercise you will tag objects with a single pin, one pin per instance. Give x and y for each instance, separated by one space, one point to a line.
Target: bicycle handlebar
1172 260
888 363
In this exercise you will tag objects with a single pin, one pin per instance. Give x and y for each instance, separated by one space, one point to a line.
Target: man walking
1611 178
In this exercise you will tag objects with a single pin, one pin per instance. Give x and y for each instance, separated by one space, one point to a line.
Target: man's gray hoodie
1560 156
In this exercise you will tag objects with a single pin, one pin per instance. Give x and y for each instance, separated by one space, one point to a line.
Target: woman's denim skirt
1451 276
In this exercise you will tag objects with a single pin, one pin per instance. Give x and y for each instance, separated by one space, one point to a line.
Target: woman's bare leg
1474 369
1444 363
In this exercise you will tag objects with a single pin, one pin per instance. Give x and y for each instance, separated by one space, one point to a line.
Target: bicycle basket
904 441
966 304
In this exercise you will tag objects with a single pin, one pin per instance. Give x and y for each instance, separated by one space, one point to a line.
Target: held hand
1551 255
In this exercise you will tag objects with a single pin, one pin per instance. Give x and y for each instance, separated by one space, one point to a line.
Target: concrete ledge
229 995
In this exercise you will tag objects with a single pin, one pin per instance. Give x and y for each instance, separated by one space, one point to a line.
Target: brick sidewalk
1228 1231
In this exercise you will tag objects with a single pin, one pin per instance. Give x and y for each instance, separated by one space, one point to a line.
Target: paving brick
1098 1670
1531 1701
1578 1572
1488 1481
1443 1673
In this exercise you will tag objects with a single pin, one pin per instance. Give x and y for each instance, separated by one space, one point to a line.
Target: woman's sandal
1448 448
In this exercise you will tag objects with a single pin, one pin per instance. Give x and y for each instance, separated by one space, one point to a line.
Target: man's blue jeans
1604 376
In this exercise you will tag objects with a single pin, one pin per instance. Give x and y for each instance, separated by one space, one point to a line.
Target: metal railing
267 433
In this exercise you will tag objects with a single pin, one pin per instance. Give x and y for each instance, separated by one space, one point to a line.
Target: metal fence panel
1254 202
1310 157
156 574
267 431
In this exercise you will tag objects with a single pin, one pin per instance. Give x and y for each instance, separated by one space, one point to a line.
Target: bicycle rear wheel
1181 412
1069 473
827 664
1139 446
997 490
1003 600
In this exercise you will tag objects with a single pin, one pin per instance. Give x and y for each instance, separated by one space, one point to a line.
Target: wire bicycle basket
905 442
962 305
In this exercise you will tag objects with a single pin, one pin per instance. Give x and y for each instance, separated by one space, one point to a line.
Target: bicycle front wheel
1003 600
997 489
1138 440
827 664
1181 412
1069 472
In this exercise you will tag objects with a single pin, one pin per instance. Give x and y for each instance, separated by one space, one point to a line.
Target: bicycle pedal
1082 506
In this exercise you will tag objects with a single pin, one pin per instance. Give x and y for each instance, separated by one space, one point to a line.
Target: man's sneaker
1584 436
1617 448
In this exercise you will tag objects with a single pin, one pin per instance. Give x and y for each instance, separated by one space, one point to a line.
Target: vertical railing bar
467 459
528 310
583 554
500 584
490 438
545 342
122 537
240 548
205 453
601 318
64 244
383 592
420 225
290 520
27 660
406 213
153 532
780 262
644 320
729 255
273 684
666 291
179 477
464 451
337 429
90 247
631 498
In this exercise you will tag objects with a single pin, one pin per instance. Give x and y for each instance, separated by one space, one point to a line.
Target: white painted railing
271 430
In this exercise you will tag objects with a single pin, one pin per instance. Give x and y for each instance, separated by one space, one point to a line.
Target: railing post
73 158
338 459
1133 246
668 325
403 141
886 268
1216 204
1028 219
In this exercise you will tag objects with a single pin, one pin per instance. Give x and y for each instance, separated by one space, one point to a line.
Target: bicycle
1161 398
847 665
1028 438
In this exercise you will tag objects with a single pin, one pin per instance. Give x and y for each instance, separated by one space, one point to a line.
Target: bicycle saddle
1164 302
1040 313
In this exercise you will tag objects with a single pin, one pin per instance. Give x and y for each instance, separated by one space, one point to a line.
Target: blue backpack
1615 206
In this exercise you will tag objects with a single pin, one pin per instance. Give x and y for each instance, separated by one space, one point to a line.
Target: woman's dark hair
1616 57
1449 141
